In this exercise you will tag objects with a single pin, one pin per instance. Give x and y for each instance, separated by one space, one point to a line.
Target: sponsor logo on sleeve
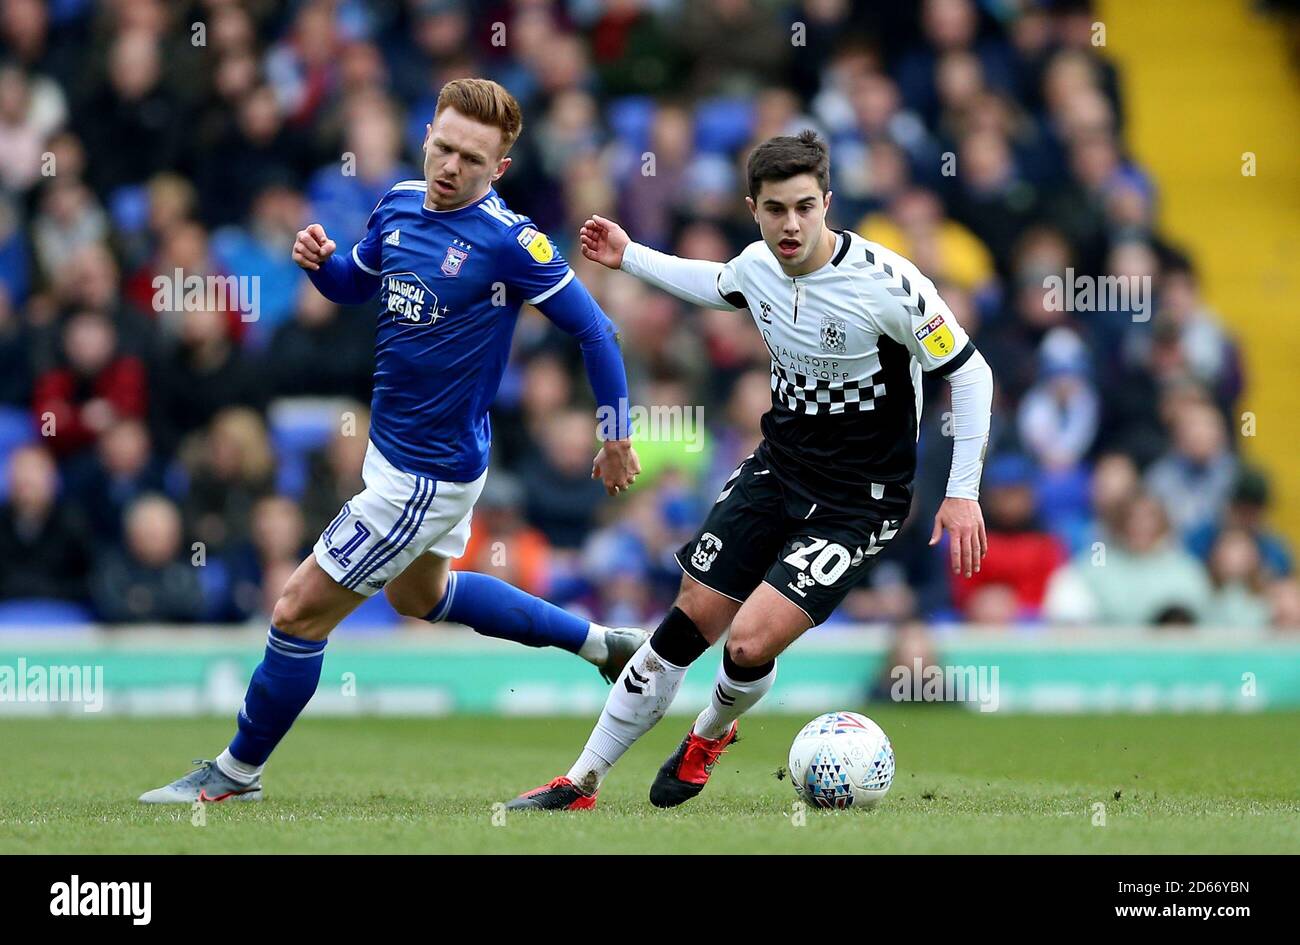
538 246
937 337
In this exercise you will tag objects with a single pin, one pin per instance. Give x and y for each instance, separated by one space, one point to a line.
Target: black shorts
759 530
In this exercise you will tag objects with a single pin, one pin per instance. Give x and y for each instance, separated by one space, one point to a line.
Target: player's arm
534 268
574 310
699 281
345 280
959 514
932 335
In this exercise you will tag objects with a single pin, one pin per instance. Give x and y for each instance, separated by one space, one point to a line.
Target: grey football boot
206 783
622 643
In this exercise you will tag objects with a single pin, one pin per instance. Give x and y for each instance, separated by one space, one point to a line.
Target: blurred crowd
175 466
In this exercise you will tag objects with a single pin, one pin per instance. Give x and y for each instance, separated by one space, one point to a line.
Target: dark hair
786 156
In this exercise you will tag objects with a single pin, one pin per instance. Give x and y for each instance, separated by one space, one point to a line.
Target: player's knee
294 615
745 644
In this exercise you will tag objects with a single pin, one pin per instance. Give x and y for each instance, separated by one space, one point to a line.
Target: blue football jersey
451 285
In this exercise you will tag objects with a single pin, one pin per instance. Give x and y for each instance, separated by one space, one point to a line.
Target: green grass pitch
966 783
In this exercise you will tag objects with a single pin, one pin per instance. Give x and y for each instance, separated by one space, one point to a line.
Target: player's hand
312 247
603 241
616 465
968 542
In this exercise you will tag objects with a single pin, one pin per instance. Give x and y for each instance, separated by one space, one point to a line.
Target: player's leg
722 564
764 626
366 544
825 554
640 696
311 605
429 590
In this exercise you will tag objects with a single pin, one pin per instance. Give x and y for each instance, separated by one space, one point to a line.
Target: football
842 759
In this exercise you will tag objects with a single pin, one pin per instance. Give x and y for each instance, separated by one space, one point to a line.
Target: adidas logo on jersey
393 238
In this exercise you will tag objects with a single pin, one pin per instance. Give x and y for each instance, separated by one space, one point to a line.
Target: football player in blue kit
451 266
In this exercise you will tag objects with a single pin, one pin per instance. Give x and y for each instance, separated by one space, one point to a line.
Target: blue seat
375 614
631 118
17 428
298 427
214 583
723 125
44 613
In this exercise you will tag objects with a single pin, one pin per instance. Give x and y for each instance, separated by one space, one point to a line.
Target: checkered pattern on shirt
804 394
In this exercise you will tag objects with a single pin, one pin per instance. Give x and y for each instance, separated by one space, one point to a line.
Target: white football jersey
848 343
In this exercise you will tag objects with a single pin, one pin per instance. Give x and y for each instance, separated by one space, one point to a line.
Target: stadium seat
374 615
16 429
44 614
129 207
630 118
299 426
723 125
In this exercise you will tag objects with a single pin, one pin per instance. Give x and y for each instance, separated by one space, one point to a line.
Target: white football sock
594 649
643 692
730 700
235 769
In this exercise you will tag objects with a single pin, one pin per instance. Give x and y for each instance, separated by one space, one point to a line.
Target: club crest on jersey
453 261
937 337
835 335
409 300
538 246
706 549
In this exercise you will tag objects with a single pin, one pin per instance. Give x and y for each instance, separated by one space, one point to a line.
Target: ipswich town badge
455 258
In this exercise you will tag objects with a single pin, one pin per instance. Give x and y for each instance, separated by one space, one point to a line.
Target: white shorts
396 518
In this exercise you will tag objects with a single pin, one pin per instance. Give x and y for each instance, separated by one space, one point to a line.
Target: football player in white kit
850 326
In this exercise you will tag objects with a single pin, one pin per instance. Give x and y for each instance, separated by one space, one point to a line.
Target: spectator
1058 416
1247 510
1284 601
97 388
561 497
149 580
335 472
1210 356
502 543
1194 478
232 469
44 547
277 540
133 123
31 110
1133 580
1021 557
123 469
1237 577
323 350
202 373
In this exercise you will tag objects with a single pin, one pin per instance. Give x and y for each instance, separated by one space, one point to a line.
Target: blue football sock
494 608
281 687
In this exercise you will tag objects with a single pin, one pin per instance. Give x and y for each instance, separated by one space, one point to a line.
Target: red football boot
687 769
560 794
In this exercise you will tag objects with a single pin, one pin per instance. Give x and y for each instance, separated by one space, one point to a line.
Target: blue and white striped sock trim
441 611
295 647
